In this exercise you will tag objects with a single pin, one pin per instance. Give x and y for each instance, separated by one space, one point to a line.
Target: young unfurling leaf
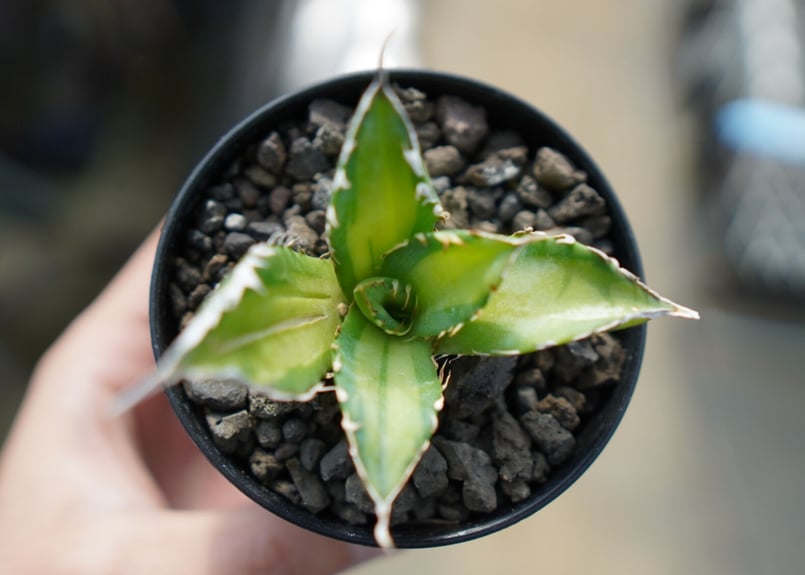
451 274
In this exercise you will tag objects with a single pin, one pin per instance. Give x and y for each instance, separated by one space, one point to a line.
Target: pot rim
502 108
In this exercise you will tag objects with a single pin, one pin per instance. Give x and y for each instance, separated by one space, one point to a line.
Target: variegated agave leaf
556 291
382 194
390 394
270 323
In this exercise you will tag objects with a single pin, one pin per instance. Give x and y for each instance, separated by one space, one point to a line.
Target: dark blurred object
741 70
61 62
66 64
105 106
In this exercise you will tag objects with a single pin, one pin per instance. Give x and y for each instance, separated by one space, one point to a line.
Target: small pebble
321 194
264 465
524 219
302 235
416 104
483 202
317 220
498 168
214 265
235 222
516 490
541 469
231 433
463 125
530 193
561 409
311 451
329 139
236 244
218 394
264 230
454 202
222 192
309 486
355 493
511 447
199 240
302 194
509 206
285 450
259 176
500 140
287 489
428 134
582 201
443 161
554 170
336 463
479 496
186 275
271 153
553 440
212 218
324 111
430 475
294 430
268 433
305 161
542 221
178 300
278 199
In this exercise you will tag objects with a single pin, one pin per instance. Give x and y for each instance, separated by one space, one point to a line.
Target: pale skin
85 493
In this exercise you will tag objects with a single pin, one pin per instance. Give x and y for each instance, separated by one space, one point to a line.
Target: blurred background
694 110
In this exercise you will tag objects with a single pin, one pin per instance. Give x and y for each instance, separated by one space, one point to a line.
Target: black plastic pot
504 112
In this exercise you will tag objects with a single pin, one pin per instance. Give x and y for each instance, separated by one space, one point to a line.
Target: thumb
236 542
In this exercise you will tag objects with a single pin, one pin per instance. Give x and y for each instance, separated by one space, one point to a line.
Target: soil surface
508 423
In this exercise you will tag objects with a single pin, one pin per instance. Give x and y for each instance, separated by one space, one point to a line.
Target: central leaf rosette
393 293
387 303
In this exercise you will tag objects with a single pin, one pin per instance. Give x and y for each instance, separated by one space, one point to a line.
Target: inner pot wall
504 112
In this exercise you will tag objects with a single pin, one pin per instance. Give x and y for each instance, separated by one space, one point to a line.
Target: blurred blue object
764 128
741 72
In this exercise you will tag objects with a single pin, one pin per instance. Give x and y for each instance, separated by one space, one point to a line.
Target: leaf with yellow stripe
390 394
382 194
558 290
271 323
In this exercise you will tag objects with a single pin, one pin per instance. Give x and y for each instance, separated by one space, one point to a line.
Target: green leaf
558 291
382 194
270 323
390 394
451 274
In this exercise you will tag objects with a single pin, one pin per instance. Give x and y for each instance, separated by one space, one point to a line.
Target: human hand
85 493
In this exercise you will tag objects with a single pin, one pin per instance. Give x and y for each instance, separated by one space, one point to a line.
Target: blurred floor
705 474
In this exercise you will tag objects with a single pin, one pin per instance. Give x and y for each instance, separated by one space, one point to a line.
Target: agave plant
391 294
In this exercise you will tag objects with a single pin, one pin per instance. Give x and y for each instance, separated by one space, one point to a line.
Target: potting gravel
507 422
